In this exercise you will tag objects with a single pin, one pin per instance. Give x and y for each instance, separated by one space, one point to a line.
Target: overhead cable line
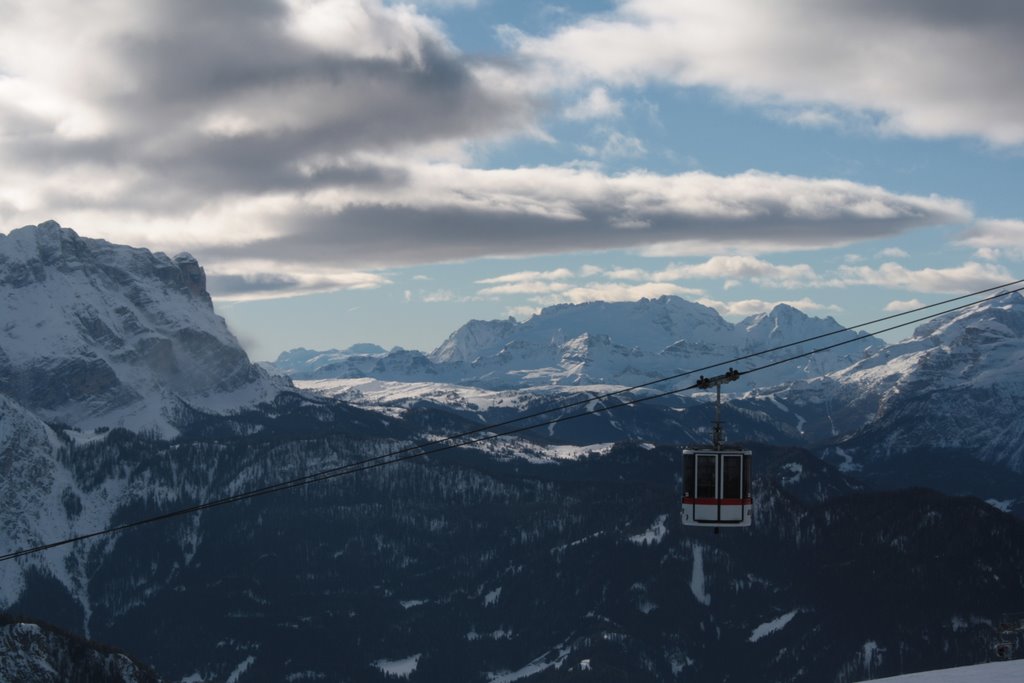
456 441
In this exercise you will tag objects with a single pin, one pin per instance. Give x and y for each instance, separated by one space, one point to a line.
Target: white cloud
522 313
448 4
445 212
164 120
365 30
994 234
730 268
596 105
527 282
535 287
141 123
439 296
899 306
968 277
745 268
1000 253
748 307
620 145
269 280
529 276
617 291
808 117
917 67
892 252
384 212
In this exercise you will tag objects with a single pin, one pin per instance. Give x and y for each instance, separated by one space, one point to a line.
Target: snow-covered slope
619 343
31 490
32 653
993 672
96 334
958 382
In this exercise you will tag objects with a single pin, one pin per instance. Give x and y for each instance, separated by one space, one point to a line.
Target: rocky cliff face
102 335
34 653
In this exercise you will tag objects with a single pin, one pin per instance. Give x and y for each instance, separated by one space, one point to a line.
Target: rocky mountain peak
99 334
193 274
474 339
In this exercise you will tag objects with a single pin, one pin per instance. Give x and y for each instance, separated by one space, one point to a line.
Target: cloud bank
295 145
926 68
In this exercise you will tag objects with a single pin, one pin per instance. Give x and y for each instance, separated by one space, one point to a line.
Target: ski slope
995 672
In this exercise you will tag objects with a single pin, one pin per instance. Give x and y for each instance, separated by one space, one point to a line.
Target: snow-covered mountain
620 343
939 409
102 335
302 361
957 383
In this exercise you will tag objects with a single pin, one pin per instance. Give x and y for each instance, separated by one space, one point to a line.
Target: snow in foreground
995 672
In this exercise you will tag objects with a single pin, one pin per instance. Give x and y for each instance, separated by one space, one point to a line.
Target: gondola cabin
716 487
716 478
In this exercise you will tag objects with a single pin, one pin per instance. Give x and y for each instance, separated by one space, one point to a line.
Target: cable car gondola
716 478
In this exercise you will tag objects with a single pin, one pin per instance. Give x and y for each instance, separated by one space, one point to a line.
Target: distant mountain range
621 343
955 388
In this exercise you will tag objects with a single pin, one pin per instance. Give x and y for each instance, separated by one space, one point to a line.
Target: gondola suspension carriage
1010 629
716 478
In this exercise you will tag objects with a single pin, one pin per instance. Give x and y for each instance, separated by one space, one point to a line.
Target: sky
369 171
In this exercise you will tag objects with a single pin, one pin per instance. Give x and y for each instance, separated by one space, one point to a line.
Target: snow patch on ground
697 580
492 597
545 661
561 548
1001 505
241 669
872 654
847 465
646 606
406 604
770 627
796 470
403 668
775 401
994 672
576 452
679 663
654 533
514 447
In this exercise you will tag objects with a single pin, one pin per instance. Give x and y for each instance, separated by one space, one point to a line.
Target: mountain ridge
620 343
104 335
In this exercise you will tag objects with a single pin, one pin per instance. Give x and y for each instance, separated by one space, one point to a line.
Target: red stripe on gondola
718 501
